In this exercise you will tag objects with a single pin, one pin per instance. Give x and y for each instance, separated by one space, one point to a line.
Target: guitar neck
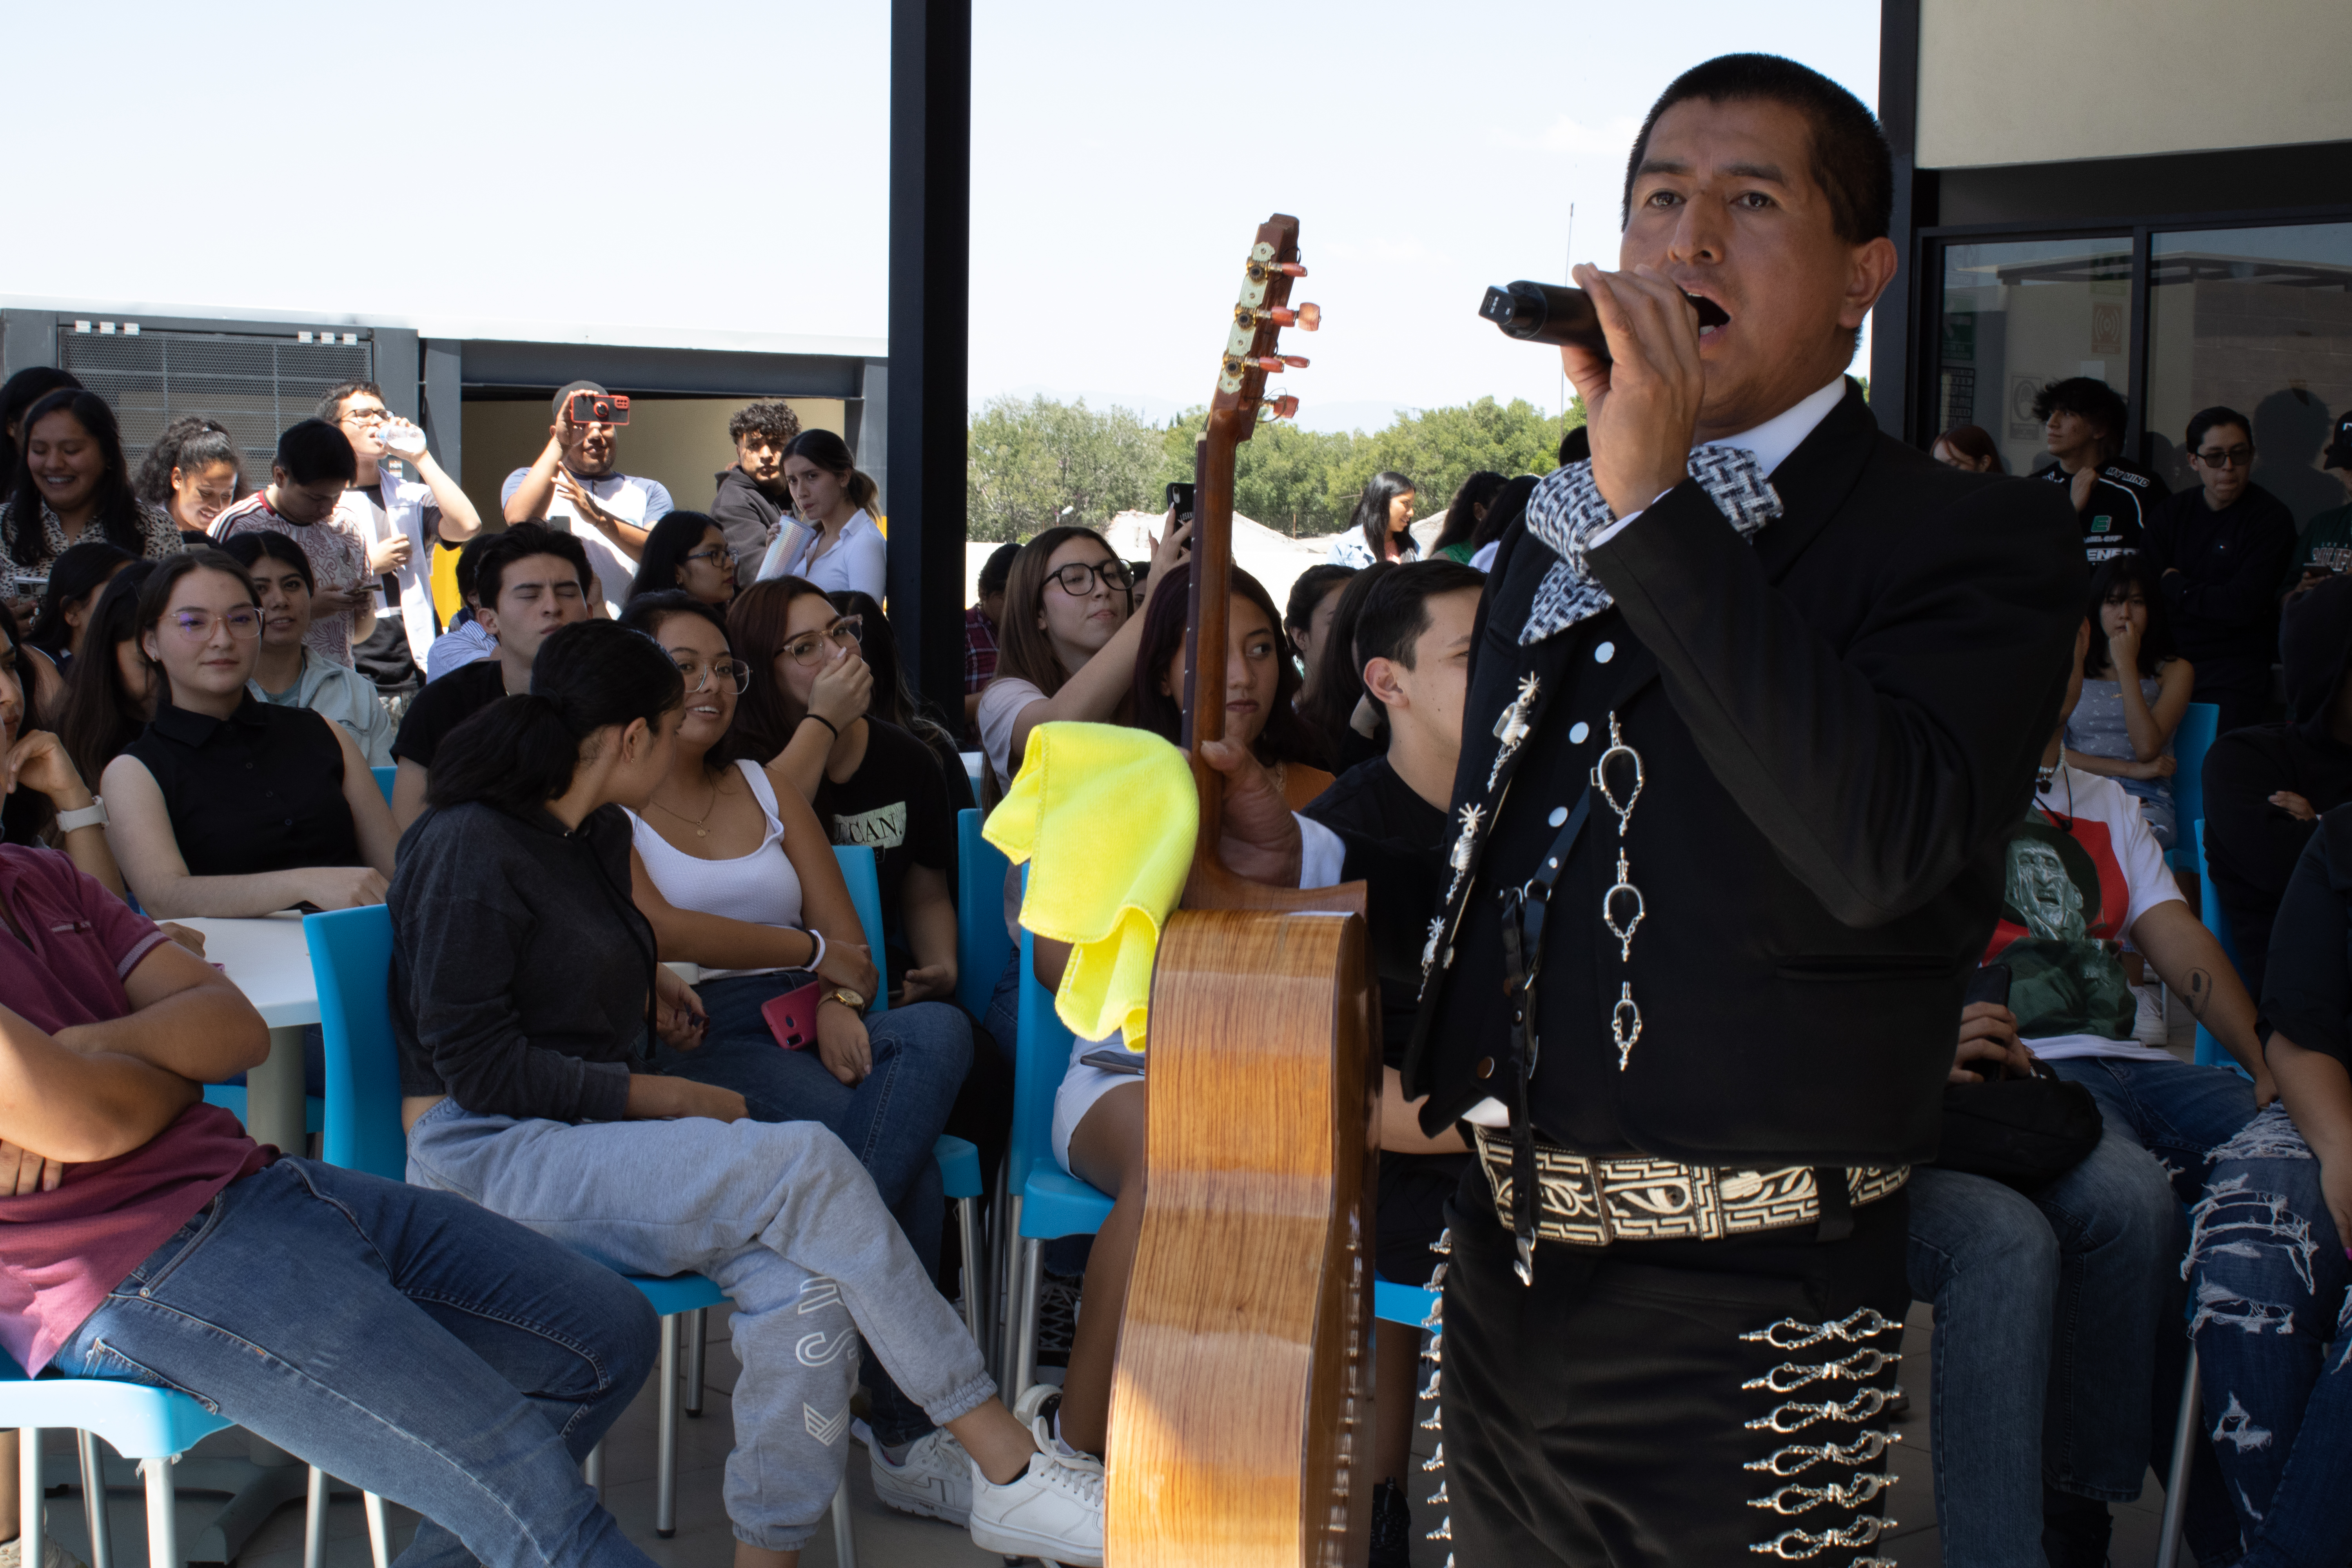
1205 638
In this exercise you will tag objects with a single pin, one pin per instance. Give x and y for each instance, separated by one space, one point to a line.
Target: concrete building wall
2024 81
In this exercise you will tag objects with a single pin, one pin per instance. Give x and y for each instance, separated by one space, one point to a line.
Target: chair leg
975 1311
592 1470
314 1521
93 1500
2185 1433
162 1518
697 1346
379 1533
1025 1348
845 1537
666 1436
30 1525
1010 1273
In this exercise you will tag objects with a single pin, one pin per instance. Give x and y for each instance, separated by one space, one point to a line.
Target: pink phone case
792 1017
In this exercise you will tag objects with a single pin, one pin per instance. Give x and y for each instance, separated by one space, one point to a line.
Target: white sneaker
1052 1510
935 1482
2149 1028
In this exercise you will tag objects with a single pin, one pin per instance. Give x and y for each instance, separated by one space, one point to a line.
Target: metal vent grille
255 384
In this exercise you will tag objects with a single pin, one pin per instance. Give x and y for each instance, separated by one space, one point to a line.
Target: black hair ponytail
521 752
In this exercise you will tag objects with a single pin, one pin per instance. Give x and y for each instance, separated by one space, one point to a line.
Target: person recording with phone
575 488
400 520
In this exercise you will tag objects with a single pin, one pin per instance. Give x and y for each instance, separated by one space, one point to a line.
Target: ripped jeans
2271 1293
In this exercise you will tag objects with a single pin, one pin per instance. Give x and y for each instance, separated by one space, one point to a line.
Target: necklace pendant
702 832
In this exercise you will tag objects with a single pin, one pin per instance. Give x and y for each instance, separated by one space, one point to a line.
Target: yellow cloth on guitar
1105 816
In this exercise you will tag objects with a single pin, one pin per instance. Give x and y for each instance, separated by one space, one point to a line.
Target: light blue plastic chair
982 942
230 1097
2209 1052
1046 1201
2189 745
152 1425
383 777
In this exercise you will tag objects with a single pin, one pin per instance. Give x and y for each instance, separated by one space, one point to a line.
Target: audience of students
2082 426
752 496
2135 690
150 1241
398 521
979 635
2219 551
465 641
733 867
225 805
71 481
528 582
194 472
1261 686
525 984
870 781
1969 447
1456 536
20 391
575 488
843 505
2266 784
686 551
1069 635
1306 618
289 675
1341 719
895 699
313 465
2269 1270
1382 527
111 694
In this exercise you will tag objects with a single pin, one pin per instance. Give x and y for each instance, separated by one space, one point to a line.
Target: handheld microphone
1556 313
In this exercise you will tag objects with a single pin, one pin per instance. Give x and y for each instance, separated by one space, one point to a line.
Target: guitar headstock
1263 310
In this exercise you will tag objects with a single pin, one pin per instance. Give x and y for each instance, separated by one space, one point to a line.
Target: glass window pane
2258 319
2019 314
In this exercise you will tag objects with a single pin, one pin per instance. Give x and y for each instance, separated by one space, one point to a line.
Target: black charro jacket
1837 726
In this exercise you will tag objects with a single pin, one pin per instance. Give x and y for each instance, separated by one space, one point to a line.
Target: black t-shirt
260 790
2307 992
1370 801
444 704
895 804
2117 515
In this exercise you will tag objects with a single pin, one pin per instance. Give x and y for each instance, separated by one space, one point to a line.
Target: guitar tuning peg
1289 269
1278 408
1306 318
1270 363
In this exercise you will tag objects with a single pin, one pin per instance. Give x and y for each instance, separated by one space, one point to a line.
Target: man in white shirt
573 487
399 519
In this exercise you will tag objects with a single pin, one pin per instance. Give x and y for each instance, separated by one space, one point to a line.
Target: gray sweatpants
781 1216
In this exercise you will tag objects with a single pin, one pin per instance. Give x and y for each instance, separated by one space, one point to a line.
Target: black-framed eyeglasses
697 677
1077 579
809 647
718 556
2237 457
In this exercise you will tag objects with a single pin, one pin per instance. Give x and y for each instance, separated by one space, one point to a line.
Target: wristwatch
90 816
847 997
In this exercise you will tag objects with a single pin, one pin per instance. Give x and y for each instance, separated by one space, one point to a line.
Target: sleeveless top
2097 728
761 888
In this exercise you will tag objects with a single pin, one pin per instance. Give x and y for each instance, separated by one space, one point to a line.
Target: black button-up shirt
261 790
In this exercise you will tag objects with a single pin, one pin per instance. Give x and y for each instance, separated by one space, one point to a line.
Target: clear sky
699 173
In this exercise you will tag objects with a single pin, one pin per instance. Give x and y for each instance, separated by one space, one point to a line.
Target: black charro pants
1598 1417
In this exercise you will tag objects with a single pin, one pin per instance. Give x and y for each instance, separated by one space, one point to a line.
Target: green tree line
1030 459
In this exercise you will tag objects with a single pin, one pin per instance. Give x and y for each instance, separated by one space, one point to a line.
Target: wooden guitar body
1241 1396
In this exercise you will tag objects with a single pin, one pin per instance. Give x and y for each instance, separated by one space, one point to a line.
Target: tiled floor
886 1539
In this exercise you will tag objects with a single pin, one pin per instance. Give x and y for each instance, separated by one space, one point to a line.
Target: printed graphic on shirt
884 828
2064 902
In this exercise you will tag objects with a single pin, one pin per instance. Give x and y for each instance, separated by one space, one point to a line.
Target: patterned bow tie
1566 511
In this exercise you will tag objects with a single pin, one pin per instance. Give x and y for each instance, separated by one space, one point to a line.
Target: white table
268 960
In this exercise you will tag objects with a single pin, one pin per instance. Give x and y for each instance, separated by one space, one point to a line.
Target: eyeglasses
2236 456
364 416
1077 579
197 625
728 669
719 556
849 631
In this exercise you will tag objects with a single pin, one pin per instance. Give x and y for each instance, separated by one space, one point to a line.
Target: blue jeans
2272 1289
2177 1111
405 1341
2047 1310
889 1121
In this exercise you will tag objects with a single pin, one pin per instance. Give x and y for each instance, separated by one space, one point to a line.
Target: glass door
2019 314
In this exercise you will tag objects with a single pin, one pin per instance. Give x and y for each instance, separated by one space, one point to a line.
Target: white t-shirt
2057 902
632 499
857 562
408 509
1000 704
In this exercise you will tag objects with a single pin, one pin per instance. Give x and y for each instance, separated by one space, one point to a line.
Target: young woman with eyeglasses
686 551
225 804
1069 639
870 782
